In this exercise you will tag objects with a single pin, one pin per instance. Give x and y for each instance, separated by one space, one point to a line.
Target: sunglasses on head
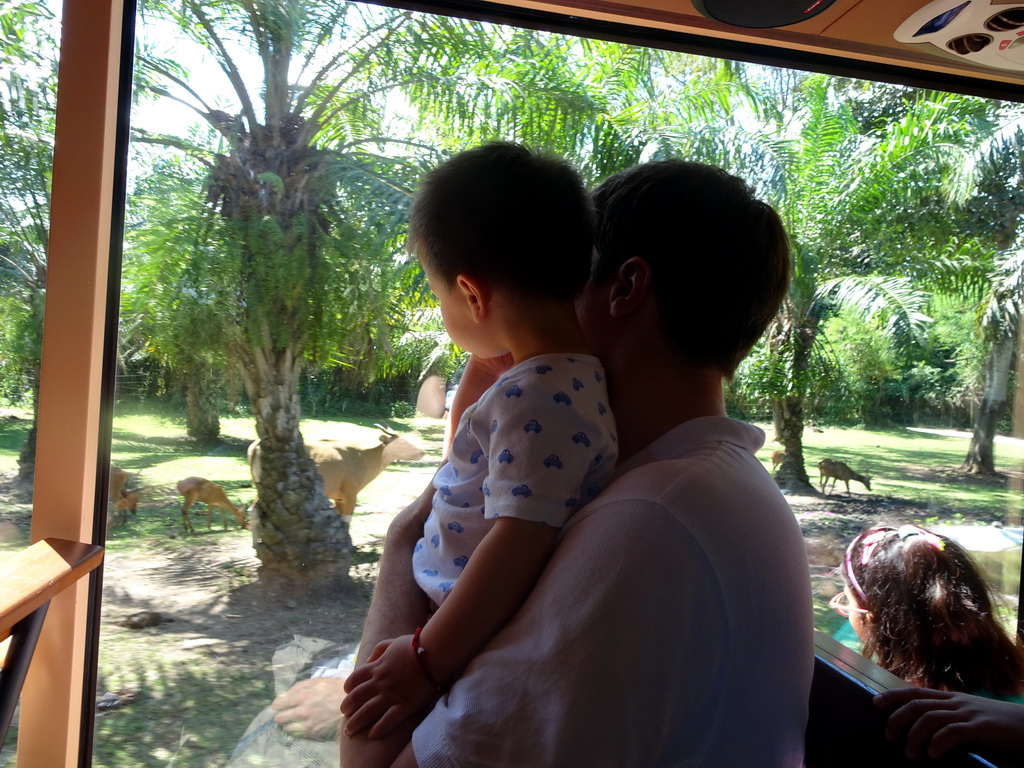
840 602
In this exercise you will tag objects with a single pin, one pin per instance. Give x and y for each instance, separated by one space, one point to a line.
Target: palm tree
172 306
968 231
834 183
28 53
281 234
605 106
999 200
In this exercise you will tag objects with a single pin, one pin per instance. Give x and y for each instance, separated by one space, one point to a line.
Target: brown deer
118 481
347 468
124 501
777 458
127 503
200 489
830 469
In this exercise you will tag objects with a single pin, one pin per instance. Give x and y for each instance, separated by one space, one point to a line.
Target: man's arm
397 608
312 708
398 605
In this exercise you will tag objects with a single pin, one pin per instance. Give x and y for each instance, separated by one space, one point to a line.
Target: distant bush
321 395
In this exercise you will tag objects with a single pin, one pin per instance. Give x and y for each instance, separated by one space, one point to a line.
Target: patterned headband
872 539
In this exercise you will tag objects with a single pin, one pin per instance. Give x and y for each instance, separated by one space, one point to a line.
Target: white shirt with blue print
537 445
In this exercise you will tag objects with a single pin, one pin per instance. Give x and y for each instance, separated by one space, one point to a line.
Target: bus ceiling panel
968 46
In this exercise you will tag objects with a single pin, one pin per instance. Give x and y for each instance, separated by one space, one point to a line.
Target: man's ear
476 293
630 287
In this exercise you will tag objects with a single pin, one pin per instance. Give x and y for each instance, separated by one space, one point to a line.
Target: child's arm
498 577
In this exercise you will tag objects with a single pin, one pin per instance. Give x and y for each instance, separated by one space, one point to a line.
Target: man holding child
672 623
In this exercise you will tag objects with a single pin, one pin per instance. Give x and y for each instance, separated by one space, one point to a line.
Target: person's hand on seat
934 722
310 709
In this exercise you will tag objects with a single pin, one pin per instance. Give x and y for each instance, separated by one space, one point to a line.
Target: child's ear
476 293
630 287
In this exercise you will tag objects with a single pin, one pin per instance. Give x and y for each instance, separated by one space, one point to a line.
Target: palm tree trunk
980 459
27 455
788 410
788 419
299 536
202 417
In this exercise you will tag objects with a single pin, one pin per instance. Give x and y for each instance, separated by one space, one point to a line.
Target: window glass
267 295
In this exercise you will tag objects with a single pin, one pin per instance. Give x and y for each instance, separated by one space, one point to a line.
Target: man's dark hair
505 213
719 257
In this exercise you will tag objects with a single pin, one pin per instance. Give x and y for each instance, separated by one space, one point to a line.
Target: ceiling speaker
986 32
759 15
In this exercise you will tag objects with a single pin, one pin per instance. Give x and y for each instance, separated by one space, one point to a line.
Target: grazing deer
124 501
830 469
777 458
118 483
127 503
200 489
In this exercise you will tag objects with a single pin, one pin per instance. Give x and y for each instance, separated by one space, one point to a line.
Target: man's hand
479 375
935 722
311 709
390 688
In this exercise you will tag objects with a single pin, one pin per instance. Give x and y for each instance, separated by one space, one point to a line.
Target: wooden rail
28 581
33 576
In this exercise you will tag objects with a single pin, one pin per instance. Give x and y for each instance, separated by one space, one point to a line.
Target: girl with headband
925 613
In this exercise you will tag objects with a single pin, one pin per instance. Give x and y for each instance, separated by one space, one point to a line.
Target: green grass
197 695
16 511
918 467
185 713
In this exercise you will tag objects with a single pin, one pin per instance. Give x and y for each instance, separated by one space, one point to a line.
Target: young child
505 237
925 613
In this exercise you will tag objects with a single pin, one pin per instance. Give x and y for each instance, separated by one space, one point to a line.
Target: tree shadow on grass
200 678
134 442
191 714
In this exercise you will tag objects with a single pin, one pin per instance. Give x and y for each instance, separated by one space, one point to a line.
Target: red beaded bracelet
419 650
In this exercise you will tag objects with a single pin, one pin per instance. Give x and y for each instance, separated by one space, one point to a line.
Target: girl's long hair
930 617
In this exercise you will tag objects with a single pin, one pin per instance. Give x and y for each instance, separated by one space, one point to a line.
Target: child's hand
389 688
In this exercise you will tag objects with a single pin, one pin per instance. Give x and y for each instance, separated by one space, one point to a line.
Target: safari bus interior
52 589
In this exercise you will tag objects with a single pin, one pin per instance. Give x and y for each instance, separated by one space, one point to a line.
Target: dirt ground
218 619
214 597
208 595
829 522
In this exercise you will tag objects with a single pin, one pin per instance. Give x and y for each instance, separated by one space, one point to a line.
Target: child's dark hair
502 212
930 618
719 256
